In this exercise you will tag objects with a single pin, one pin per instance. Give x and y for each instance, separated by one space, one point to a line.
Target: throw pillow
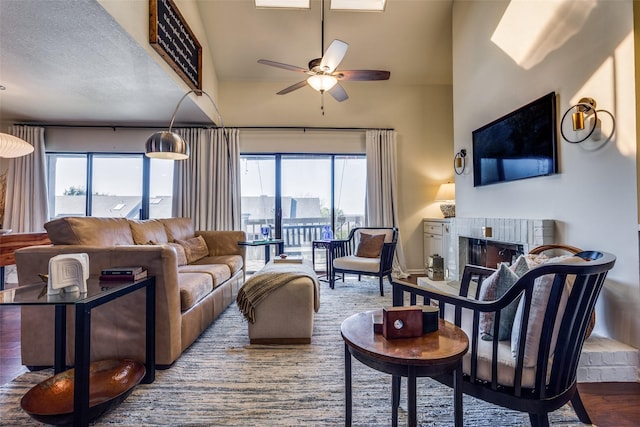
180 253
194 248
493 287
539 300
370 246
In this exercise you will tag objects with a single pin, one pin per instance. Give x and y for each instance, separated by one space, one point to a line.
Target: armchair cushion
356 263
370 245
195 248
539 299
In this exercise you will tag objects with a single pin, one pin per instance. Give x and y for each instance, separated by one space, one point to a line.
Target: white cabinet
436 240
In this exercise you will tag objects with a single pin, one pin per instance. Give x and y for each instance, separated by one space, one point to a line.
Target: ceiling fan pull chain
322 102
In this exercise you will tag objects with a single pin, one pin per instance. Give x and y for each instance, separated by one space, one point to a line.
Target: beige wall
583 49
421 115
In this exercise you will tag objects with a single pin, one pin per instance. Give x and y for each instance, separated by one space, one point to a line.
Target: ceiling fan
322 72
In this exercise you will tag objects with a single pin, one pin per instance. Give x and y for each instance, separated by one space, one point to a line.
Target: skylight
357 5
292 4
362 5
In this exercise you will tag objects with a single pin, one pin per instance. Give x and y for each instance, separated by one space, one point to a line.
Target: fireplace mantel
526 232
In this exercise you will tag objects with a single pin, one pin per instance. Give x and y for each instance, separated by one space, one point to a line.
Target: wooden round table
431 354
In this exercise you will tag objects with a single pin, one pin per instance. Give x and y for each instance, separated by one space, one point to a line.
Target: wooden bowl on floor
110 382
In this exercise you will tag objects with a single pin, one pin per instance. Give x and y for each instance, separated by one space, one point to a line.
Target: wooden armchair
535 370
346 256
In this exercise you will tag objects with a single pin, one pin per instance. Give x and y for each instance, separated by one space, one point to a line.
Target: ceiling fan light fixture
322 82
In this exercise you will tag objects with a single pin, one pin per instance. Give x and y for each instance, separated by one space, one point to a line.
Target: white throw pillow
540 297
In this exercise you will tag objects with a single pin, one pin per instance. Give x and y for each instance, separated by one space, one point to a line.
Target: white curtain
26 208
382 189
208 183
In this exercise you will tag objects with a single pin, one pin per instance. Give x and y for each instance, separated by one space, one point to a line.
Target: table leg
457 394
313 256
267 253
81 366
2 278
412 416
348 402
395 399
60 342
150 369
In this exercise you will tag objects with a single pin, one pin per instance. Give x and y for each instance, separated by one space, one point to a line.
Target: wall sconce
447 195
170 145
460 161
584 115
11 146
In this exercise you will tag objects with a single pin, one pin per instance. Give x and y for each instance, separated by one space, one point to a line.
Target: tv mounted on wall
519 145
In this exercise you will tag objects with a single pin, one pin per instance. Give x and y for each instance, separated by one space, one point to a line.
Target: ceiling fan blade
281 65
333 56
292 87
338 93
362 75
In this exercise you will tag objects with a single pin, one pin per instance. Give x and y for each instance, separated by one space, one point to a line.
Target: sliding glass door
300 197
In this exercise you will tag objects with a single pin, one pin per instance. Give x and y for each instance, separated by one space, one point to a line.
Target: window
109 185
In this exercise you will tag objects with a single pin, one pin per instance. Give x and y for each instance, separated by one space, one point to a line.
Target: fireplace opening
490 254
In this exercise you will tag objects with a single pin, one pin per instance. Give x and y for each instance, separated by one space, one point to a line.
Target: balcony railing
300 232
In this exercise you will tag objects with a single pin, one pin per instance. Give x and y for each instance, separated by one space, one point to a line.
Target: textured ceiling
65 61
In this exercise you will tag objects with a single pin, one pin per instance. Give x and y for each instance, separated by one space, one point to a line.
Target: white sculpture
68 273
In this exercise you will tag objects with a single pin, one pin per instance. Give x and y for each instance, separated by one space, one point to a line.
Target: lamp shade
167 145
446 192
12 146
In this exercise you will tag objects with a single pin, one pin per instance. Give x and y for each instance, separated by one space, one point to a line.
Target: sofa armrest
223 242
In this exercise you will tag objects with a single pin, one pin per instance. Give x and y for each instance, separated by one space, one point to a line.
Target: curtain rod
114 127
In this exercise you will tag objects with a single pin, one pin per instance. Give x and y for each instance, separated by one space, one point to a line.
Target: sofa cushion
219 273
178 228
234 262
151 230
193 287
370 246
195 248
90 231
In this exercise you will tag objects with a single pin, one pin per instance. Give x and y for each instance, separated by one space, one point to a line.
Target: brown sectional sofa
188 297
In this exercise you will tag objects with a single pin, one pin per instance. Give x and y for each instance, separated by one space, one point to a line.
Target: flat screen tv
520 145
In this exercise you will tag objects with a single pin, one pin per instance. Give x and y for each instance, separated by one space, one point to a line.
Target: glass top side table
98 293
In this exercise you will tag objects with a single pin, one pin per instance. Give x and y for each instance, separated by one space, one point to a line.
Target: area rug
222 380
